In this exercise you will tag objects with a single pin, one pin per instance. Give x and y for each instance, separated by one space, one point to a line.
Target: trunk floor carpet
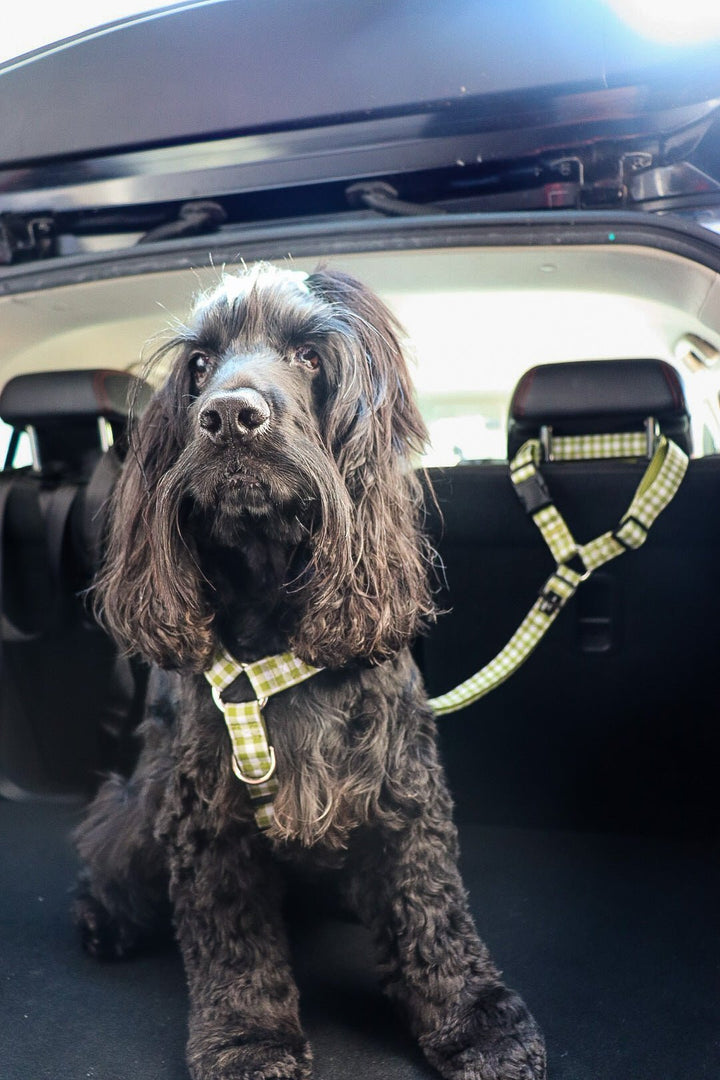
612 940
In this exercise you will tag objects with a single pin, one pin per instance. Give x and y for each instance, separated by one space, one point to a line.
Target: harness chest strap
575 562
253 759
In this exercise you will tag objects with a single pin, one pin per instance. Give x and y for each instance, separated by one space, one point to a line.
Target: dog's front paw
494 1038
250 1060
102 936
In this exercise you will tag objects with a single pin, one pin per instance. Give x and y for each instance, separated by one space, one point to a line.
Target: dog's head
288 415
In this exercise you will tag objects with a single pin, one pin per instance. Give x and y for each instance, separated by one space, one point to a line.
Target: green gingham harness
253 759
575 562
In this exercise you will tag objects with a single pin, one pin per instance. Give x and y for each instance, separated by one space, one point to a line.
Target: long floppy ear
368 580
148 593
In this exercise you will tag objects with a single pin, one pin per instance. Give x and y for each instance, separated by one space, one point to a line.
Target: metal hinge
25 237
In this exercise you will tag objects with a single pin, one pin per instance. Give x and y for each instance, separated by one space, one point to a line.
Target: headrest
597 396
48 397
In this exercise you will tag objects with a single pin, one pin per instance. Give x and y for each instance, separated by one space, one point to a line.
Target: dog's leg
226 895
407 888
122 897
121 900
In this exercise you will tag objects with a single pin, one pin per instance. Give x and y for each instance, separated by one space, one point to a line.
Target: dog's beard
290 494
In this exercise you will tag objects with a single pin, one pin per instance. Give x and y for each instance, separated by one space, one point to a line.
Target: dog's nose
236 414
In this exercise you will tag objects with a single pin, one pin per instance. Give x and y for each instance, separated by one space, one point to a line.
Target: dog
269 507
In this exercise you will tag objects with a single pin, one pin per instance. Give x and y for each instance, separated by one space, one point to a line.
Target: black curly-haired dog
269 504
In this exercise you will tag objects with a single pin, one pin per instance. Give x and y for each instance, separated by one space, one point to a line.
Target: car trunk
585 786
609 936
499 215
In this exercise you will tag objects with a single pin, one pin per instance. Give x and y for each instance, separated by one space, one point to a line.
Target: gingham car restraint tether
575 562
253 760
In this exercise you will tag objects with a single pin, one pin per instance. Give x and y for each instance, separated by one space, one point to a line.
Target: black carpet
613 941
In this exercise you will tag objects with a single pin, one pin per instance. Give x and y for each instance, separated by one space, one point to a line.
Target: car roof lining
110 321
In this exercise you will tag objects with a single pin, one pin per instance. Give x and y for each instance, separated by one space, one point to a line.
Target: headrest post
34 448
546 441
105 432
652 432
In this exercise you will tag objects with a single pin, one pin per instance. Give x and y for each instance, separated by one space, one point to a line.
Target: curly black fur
268 503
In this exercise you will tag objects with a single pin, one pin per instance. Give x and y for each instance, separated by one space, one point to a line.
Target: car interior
585 785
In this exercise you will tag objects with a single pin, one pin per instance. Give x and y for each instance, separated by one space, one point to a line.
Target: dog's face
288 419
263 359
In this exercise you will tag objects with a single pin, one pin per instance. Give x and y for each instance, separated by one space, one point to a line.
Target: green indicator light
611 236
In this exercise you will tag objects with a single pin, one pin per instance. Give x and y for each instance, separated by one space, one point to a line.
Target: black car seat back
613 714
56 666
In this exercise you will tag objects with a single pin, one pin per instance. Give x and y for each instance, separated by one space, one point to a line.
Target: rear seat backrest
56 666
612 719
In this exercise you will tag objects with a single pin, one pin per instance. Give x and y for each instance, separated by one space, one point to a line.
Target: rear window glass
21 456
472 347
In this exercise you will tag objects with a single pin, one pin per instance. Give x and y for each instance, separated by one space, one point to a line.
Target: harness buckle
533 493
553 596
550 601
630 519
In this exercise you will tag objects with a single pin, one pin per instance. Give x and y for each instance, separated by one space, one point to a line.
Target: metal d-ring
253 780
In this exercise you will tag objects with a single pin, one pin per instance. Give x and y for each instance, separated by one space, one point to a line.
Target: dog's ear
371 570
148 593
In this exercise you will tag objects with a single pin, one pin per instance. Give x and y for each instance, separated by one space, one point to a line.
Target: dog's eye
200 367
306 356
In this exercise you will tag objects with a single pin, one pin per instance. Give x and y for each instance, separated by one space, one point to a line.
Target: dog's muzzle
234 415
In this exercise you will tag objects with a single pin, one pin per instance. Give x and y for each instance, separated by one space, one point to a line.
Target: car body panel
568 99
